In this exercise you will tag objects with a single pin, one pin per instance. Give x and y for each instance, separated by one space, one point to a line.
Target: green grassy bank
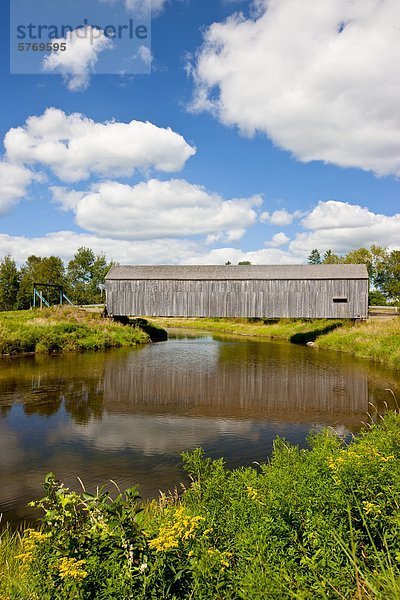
63 329
376 339
319 523
290 330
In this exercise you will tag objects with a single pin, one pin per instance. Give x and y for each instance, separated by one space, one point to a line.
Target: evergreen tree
315 257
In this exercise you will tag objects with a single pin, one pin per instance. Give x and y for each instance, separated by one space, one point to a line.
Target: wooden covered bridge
292 291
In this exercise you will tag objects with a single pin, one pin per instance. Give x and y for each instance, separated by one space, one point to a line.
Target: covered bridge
294 291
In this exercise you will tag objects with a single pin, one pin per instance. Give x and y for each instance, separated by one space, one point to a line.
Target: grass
291 330
376 339
63 329
321 523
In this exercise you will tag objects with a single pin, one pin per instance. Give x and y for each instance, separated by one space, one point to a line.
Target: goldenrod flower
370 507
28 545
171 534
253 494
70 567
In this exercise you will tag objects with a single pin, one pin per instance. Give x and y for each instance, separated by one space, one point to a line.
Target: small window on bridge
340 300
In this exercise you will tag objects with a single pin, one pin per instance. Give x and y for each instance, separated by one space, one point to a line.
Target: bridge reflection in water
238 380
128 414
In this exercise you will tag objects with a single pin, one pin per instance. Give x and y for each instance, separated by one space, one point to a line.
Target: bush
90 545
319 523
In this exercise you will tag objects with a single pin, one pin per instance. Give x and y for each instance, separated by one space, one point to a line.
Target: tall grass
15 582
377 339
63 329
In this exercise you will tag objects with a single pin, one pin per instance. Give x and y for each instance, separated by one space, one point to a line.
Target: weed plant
317 523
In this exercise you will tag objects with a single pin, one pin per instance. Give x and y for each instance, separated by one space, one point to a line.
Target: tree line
82 279
383 268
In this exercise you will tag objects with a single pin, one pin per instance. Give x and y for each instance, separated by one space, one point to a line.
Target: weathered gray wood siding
239 298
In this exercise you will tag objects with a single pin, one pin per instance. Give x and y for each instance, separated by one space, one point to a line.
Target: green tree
374 258
9 283
50 270
360 256
330 258
86 273
388 277
377 298
244 262
315 257
380 257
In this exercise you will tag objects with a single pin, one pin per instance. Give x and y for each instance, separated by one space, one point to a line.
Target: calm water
127 415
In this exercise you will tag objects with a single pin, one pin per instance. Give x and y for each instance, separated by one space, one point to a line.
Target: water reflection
242 379
128 414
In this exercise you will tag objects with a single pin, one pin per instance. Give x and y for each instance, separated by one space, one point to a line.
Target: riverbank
63 329
290 330
376 339
319 523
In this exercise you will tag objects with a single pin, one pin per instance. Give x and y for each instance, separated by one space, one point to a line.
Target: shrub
318 523
90 544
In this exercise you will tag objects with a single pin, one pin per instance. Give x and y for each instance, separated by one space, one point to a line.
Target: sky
235 130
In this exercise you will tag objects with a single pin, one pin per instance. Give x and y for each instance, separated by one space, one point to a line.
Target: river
127 414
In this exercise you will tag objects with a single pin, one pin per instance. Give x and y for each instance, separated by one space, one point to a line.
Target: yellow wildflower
70 567
370 507
207 532
332 465
171 534
28 544
223 557
253 493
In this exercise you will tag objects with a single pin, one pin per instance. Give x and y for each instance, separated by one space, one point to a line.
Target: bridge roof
238 272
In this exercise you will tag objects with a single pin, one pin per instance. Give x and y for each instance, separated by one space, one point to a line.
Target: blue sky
264 129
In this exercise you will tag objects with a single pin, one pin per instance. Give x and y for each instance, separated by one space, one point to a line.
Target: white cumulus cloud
153 252
75 147
335 215
66 243
278 240
156 209
373 228
14 182
320 78
77 62
280 217
341 226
